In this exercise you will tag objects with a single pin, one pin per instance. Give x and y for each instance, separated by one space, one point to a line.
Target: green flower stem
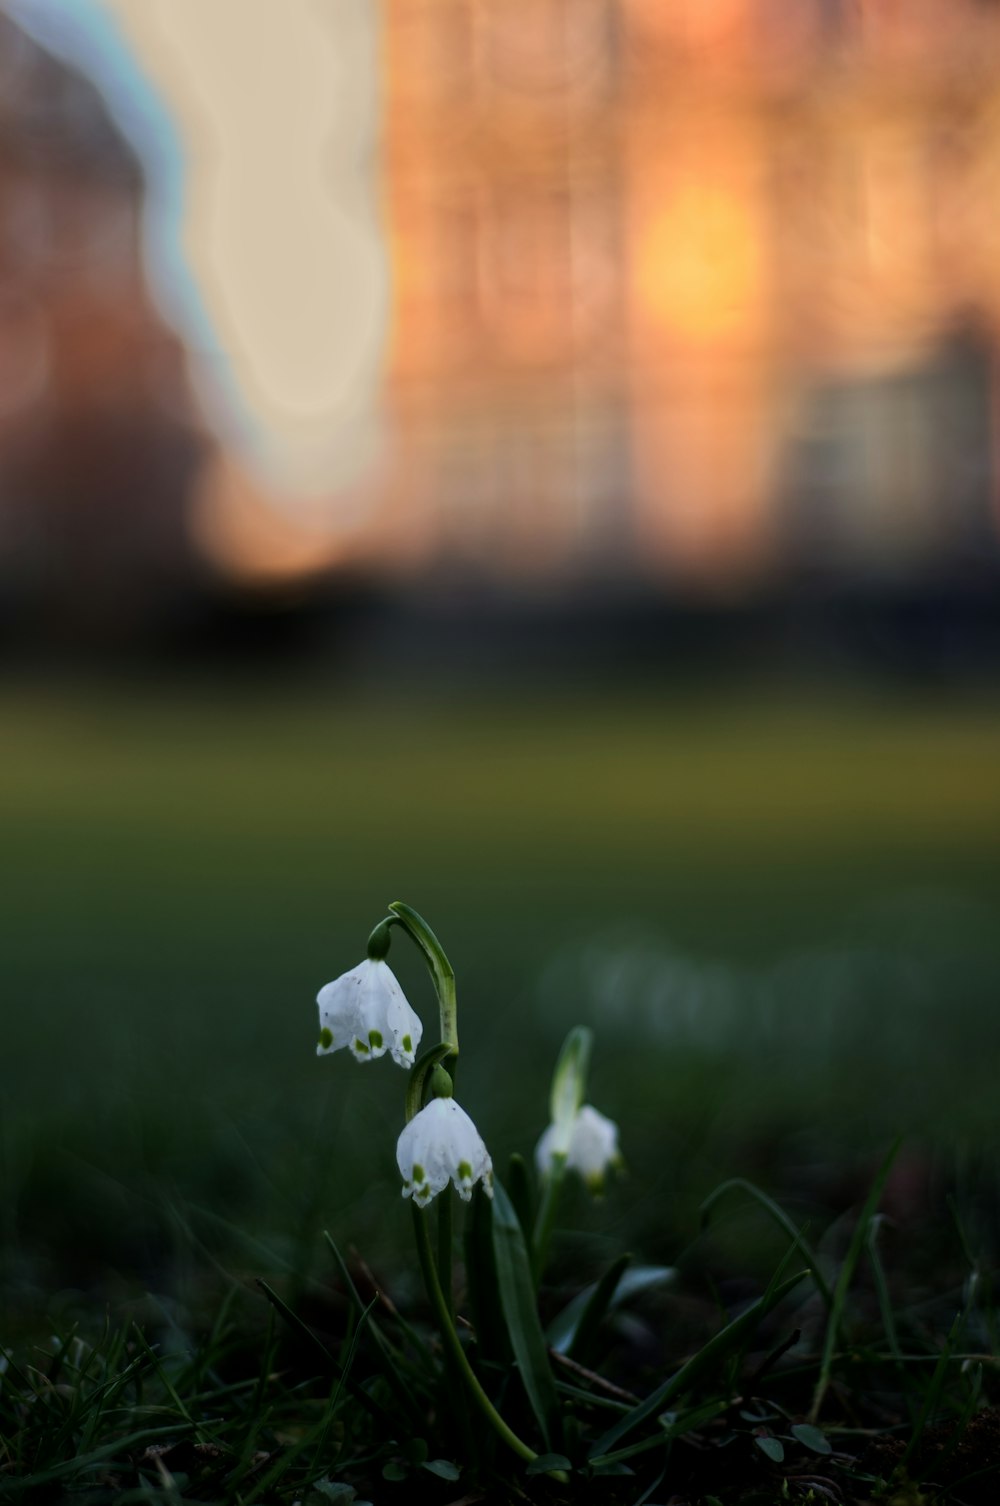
458 1400
453 1344
546 1218
420 1072
441 971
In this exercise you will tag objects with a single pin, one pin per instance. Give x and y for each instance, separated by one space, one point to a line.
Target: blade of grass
846 1275
717 1348
388 1355
885 1308
780 1217
377 1413
935 1386
326 1422
66 1468
203 1435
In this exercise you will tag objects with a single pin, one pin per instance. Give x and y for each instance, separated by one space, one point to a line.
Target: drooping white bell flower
441 1145
366 1011
592 1149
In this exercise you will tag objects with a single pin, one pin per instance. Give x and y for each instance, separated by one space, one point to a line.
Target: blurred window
544 46
526 282
432 41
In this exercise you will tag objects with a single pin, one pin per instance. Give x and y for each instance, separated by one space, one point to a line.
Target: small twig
591 1375
377 1290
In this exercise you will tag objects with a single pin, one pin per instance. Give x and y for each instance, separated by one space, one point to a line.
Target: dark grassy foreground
851 1380
779 920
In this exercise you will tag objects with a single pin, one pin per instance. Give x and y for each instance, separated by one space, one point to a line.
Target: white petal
402 1025
366 1011
545 1150
420 1159
338 1012
441 1144
593 1146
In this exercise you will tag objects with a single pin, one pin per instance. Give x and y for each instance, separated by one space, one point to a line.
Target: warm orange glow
696 22
757 203
248 535
698 270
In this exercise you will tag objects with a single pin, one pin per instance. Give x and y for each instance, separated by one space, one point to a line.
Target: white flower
441 1145
367 1011
593 1147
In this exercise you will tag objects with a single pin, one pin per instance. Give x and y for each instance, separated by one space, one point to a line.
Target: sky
257 124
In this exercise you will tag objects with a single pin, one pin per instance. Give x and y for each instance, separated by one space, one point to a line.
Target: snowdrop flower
592 1148
441 1145
366 1011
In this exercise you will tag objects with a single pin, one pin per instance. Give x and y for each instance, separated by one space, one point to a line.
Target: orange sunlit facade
661 271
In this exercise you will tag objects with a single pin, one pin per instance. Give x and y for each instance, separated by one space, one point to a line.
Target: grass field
773 912
778 915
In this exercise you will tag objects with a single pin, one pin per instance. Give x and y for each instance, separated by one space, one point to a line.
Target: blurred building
705 290
700 295
99 436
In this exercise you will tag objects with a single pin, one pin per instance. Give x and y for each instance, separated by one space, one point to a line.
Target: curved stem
419 1073
441 970
453 1344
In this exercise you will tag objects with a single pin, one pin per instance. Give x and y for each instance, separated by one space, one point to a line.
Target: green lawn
778 915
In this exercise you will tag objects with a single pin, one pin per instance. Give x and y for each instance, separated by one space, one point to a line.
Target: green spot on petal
360 1047
375 1037
326 1038
407 1044
418 1172
464 1171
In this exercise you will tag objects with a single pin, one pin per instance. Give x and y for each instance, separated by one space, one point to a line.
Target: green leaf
394 1470
675 1425
725 1342
631 1283
481 1276
811 1438
772 1447
569 1082
546 1462
415 1450
517 1297
335 1492
595 1310
443 1468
